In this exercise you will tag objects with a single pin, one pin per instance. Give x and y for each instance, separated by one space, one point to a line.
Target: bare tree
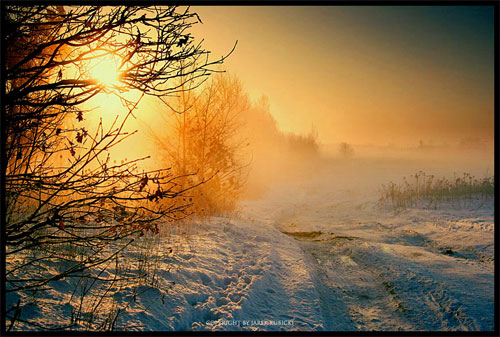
61 188
206 145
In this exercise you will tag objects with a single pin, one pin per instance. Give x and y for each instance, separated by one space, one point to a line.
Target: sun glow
105 70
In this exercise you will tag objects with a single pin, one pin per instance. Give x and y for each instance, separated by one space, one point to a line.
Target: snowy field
315 252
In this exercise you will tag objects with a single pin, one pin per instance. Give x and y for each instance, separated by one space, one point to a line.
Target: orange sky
381 75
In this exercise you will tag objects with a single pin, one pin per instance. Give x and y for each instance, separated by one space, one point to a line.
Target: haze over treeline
400 82
264 153
364 75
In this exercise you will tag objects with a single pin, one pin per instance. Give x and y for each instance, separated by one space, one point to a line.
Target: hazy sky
363 74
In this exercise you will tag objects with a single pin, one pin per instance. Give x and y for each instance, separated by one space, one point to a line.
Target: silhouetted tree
61 188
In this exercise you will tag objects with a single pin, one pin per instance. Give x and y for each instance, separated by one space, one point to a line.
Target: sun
114 95
105 70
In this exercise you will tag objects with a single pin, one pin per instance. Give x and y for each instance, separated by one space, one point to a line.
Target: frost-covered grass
426 190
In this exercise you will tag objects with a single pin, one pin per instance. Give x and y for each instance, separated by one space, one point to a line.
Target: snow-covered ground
420 269
316 253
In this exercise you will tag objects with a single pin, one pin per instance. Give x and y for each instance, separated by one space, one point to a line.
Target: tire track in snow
430 298
351 297
366 285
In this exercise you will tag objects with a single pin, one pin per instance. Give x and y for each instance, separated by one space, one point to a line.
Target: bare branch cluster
61 185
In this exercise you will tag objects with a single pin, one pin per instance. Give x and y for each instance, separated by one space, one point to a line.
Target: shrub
346 150
423 189
303 144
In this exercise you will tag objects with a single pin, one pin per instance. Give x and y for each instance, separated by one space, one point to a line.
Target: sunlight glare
105 70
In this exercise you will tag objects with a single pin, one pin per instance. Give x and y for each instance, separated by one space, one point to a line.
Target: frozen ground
376 270
316 253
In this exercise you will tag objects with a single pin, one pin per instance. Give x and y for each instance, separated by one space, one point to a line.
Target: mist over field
371 166
248 168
